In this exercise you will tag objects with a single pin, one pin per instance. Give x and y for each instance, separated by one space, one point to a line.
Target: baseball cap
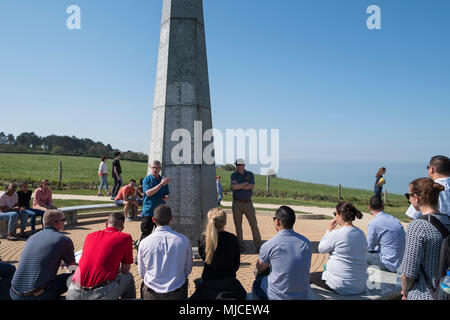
239 161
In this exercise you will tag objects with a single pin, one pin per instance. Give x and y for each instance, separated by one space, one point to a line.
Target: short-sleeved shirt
24 198
103 168
125 192
8 201
423 247
289 255
116 164
387 236
237 178
103 252
150 203
42 197
41 258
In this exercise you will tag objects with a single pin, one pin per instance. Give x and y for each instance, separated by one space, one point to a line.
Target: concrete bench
71 213
381 285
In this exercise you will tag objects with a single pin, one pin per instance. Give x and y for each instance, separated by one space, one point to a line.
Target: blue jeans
257 290
32 213
373 259
12 217
51 292
103 183
6 274
219 198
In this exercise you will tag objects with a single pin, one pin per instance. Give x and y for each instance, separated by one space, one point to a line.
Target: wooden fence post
60 174
268 186
385 196
339 192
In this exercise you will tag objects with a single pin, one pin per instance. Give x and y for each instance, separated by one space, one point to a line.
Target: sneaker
99 194
128 220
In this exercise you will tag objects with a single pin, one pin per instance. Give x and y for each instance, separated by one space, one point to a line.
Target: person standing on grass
103 176
379 182
156 191
219 190
24 196
116 175
242 184
42 198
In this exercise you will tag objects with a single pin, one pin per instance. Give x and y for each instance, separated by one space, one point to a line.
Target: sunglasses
409 195
61 220
335 213
275 218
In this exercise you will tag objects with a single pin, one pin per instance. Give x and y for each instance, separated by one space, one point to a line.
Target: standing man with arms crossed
242 183
156 192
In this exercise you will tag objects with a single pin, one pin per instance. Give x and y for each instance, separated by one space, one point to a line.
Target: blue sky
334 88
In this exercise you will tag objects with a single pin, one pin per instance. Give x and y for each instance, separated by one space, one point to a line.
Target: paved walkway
312 229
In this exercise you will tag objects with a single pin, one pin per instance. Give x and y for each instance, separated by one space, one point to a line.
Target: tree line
29 142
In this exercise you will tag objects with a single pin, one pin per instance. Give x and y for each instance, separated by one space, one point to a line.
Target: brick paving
312 229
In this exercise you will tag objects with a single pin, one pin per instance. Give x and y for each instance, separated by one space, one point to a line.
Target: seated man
6 274
386 238
9 209
126 198
164 260
24 196
36 276
288 255
97 276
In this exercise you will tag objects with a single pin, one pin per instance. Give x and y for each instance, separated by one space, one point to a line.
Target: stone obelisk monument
182 114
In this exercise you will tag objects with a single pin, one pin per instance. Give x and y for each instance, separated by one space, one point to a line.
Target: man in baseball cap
242 184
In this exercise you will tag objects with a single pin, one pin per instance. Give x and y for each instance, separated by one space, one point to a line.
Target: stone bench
381 285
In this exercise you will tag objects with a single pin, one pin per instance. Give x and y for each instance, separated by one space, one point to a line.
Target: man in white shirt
164 260
439 170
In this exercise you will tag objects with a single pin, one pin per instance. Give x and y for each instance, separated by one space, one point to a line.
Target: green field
80 177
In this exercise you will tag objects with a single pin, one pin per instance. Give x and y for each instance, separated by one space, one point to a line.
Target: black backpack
444 259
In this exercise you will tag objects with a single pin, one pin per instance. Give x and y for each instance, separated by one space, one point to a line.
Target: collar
245 171
112 229
51 228
163 228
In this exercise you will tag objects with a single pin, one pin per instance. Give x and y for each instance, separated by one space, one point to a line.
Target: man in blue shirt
287 259
386 238
242 184
156 192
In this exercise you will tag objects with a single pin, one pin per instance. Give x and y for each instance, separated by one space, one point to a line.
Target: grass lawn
80 177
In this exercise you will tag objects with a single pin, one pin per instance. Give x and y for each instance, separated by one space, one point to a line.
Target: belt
101 284
245 201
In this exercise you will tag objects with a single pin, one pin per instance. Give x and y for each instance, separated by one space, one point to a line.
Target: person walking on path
379 182
116 175
386 238
103 176
438 169
164 260
284 262
156 191
242 184
104 269
419 268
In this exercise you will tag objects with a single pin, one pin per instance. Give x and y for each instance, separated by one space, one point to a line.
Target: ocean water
360 175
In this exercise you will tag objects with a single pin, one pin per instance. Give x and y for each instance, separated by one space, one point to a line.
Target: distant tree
29 140
11 140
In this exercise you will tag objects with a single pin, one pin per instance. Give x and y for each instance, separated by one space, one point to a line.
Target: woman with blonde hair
220 251
419 268
379 182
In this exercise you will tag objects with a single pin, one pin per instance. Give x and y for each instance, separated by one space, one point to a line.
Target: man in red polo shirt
126 198
104 269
